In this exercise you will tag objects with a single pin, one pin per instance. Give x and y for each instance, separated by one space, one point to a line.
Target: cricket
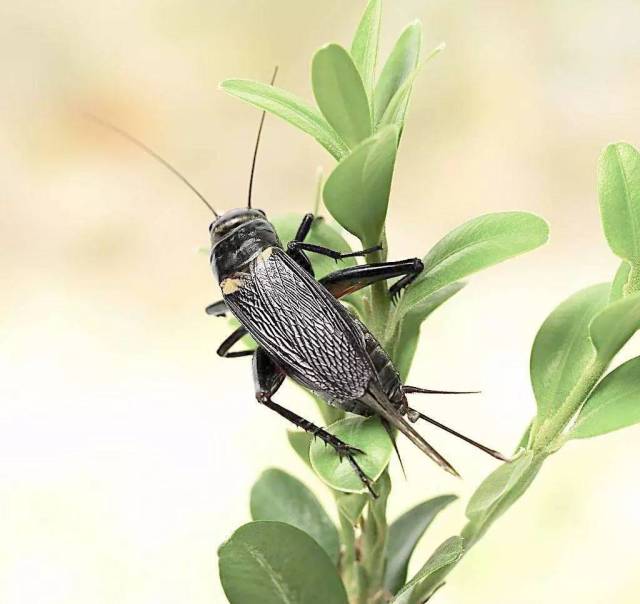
302 329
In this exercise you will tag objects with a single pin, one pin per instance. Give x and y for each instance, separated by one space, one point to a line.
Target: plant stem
351 575
545 440
364 558
380 303
374 541
551 429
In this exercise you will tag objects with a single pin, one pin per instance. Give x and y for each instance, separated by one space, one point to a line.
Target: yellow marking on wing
231 285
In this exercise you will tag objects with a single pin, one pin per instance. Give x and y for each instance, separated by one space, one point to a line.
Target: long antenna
255 150
152 153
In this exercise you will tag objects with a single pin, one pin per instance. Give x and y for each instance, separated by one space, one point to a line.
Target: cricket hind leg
413 416
349 280
268 378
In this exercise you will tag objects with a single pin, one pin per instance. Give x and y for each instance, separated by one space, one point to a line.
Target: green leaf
279 496
493 489
364 48
365 434
357 191
404 535
563 348
321 233
619 192
397 107
351 505
477 244
613 326
619 281
291 109
614 404
523 443
340 94
407 339
300 442
274 563
402 61
429 577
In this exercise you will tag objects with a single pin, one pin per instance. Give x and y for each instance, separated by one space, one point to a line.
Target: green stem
374 541
351 575
551 429
380 303
547 438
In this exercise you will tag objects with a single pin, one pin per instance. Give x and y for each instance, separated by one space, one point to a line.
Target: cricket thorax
237 238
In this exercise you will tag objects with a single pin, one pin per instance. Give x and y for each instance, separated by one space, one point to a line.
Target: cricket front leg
268 378
224 350
217 309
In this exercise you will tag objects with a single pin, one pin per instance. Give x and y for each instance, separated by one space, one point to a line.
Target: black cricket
305 333
302 329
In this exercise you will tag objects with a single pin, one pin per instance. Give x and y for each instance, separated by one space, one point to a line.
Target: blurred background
127 448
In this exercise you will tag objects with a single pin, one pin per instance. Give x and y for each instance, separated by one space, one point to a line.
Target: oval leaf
279 496
397 107
340 94
291 109
614 404
619 193
562 348
612 327
477 244
273 563
321 233
366 434
493 489
301 443
357 191
364 48
404 535
402 61
430 576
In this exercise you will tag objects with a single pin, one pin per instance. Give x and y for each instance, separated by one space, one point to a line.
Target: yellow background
127 448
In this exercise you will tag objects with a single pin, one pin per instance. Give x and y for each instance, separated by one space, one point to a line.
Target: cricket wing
301 325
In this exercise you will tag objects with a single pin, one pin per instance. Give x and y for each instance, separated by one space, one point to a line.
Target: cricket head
229 222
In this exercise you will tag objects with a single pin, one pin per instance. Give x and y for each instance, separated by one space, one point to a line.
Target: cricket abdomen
386 374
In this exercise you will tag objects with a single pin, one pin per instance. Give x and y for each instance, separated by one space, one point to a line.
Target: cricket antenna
255 149
152 153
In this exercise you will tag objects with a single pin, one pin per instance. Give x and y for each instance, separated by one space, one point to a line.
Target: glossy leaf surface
274 562
279 496
291 109
614 404
365 434
340 94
